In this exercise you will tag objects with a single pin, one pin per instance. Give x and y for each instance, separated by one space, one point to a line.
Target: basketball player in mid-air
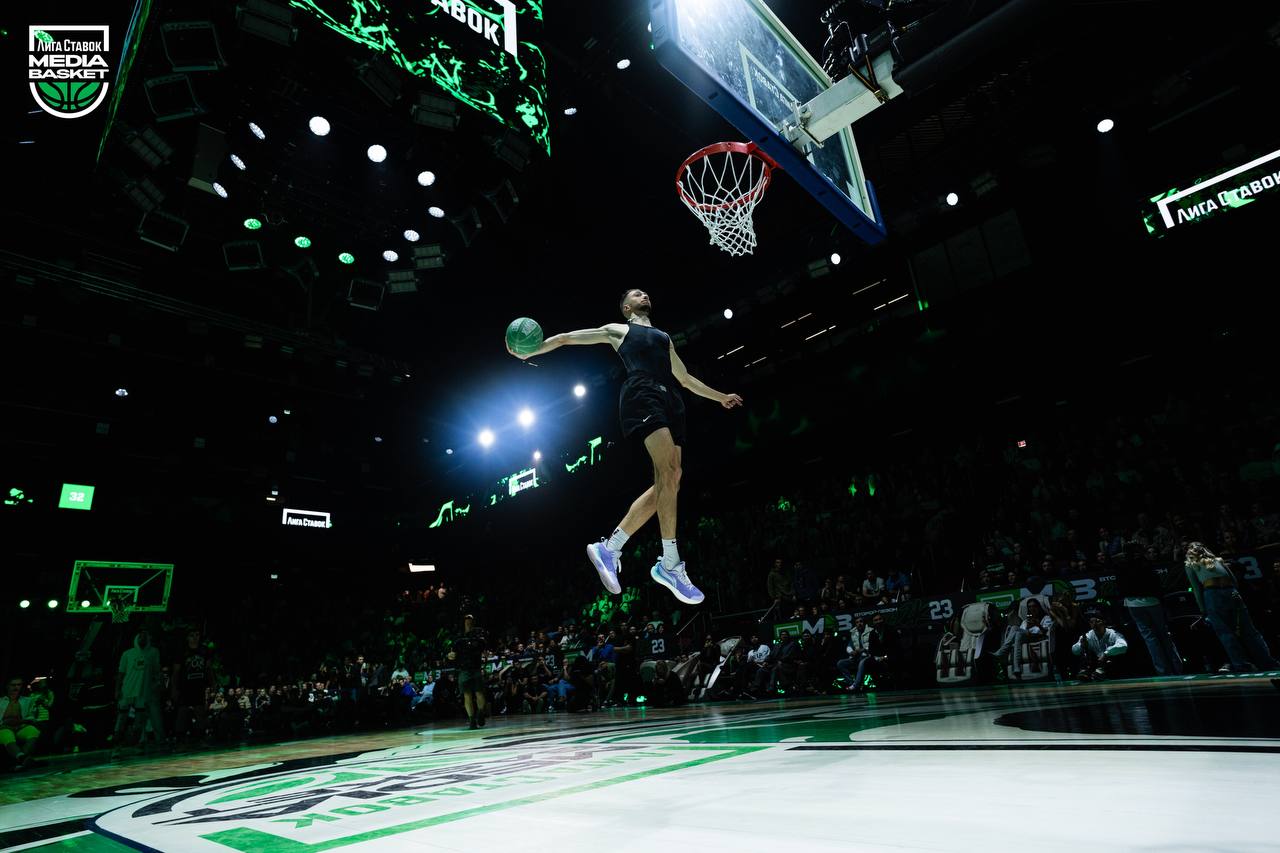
652 411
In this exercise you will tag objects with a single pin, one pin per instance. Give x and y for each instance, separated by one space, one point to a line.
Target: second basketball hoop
722 184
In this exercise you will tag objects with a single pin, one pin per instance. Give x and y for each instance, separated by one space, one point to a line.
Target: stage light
526 418
1022 444
377 439
24 604
426 179
391 255
302 242
347 258
377 153
579 390
624 64
448 451
220 189
84 604
411 235
319 125
728 313
485 438
953 199
537 456
239 163
257 131
273 419
53 603
275 577
436 212
253 224
122 392
835 258
1105 125
571 111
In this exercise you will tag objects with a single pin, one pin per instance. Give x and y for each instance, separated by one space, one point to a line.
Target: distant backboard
145 586
739 58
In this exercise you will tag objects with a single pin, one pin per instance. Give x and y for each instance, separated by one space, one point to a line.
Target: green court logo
68 67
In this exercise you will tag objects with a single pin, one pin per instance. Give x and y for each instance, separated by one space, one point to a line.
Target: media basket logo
68 67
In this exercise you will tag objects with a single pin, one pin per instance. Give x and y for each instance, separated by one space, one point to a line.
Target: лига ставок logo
68 67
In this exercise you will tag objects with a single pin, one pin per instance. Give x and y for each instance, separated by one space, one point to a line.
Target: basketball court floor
1172 764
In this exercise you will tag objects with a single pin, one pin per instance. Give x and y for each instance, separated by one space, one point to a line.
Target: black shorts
647 405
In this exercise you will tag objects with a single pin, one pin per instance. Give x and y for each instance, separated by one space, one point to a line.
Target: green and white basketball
524 336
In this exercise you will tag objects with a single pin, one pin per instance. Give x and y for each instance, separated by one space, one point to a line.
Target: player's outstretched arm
601 335
699 387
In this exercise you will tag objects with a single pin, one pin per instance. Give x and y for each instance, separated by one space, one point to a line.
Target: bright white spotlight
239 163
953 199
24 603
391 255
53 603
728 313
485 438
579 390
377 439
436 212
1105 125
411 235
122 392
426 178
84 604
537 456
624 64
835 258
448 451
319 125
219 189
273 419
377 153
571 111
257 131
525 417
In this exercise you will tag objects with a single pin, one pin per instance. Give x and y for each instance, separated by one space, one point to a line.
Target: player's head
634 303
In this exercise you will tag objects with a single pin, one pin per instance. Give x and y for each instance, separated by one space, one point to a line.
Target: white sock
670 556
617 540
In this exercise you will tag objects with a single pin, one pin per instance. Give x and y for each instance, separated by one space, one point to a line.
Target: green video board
483 52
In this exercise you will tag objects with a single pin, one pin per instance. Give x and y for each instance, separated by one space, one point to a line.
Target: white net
721 185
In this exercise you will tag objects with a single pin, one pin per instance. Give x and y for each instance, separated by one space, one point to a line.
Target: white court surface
1156 765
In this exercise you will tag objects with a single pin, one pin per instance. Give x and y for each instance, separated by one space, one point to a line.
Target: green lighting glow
785 505
347 258
853 487
453 513
17 497
253 224
438 41
76 497
302 242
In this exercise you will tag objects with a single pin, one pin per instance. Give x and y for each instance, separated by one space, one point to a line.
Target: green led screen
76 497
483 52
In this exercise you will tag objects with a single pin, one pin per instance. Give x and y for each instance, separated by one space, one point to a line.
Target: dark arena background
989 548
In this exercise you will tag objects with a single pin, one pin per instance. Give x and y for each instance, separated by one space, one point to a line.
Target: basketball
524 336
68 96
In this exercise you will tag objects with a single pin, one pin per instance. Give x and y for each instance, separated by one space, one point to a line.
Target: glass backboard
739 58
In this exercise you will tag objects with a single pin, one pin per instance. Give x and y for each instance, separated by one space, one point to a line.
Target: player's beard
640 311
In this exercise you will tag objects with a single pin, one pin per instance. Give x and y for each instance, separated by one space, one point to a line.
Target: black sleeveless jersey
647 351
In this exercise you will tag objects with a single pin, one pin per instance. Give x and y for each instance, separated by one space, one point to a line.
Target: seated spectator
828 592
1099 648
858 649
896 582
18 733
872 587
668 691
534 695
1034 628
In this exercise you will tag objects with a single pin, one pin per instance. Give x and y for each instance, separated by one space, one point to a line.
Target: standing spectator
804 582
137 679
872 588
1215 589
187 688
779 585
1140 586
828 593
466 653
1099 648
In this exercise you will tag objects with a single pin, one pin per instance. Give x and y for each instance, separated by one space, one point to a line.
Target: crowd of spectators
1116 496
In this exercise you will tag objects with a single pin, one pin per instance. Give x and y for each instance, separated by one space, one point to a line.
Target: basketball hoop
722 184
119 601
